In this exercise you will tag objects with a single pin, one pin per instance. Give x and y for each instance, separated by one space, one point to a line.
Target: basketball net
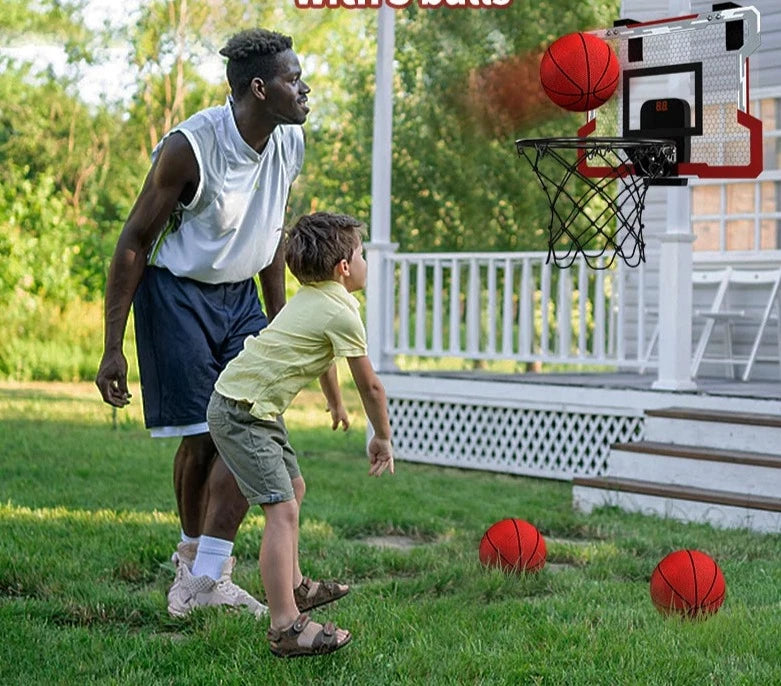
597 216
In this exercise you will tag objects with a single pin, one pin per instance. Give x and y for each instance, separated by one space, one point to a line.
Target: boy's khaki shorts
256 451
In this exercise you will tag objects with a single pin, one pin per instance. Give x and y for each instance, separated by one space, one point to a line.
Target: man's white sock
211 557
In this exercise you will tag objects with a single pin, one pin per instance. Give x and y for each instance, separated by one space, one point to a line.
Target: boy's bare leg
276 569
277 559
299 489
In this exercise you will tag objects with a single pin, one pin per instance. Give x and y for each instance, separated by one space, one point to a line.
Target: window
744 214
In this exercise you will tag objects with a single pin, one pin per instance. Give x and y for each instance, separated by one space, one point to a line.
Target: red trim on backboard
699 169
748 171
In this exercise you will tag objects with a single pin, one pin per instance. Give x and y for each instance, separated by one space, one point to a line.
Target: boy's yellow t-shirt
321 321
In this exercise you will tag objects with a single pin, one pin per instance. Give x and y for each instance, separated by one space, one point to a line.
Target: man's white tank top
231 228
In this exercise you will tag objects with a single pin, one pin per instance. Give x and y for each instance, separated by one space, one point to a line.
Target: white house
711 245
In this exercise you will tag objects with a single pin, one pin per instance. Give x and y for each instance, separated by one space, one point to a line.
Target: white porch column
378 308
675 278
675 295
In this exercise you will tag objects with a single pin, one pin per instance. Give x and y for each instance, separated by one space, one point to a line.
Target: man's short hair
318 242
253 53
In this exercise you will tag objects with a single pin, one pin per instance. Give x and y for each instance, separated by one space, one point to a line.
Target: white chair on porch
764 285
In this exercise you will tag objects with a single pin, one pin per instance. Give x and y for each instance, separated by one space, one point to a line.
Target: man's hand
112 379
339 416
380 456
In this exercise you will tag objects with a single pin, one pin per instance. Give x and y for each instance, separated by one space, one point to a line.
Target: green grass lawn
88 524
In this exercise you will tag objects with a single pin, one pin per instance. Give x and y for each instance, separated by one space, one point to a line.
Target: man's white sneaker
243 598
183 557
189 592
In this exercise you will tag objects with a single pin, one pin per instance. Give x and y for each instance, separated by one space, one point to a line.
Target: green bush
49 342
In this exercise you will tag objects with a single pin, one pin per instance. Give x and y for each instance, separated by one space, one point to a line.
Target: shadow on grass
105 568
85 465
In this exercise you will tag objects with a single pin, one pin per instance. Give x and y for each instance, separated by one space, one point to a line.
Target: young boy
321 322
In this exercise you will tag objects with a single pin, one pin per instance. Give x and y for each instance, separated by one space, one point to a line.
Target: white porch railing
514 306
503 306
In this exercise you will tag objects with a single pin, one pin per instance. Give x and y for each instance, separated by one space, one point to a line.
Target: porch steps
709 468
723 509
714 428
697 466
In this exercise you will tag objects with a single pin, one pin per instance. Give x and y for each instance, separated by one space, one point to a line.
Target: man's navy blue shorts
186 332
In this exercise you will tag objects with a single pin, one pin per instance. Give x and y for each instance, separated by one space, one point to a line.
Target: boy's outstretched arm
373 398
329 384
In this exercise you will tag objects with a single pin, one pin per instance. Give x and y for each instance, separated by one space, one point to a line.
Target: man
208 218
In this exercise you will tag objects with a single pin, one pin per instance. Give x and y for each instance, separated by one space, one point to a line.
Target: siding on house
645 10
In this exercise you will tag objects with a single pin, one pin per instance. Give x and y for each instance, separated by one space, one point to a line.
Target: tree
70 170
458 184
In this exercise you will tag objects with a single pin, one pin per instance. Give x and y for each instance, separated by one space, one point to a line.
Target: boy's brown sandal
311 594
284 643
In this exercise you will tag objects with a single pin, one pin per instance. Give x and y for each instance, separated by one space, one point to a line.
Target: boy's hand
339 416
380 456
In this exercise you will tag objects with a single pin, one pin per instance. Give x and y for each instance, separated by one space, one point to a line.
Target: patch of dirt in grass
576 533
18 591
571 541
392 541
556 567
76 614
399 539
391 537
14 584
134 573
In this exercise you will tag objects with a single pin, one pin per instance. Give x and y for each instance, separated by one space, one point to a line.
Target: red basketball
514 545
579 72
687 582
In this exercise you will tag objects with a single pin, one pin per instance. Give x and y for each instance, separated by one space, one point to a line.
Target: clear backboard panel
686 79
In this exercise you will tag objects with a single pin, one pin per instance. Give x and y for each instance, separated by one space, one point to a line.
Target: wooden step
723 509
702 495
751 473
731 431
742 457
720 416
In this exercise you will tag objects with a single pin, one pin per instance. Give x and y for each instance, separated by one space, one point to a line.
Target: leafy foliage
463 92
458 184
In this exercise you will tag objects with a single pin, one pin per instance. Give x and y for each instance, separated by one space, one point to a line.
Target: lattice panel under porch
532 442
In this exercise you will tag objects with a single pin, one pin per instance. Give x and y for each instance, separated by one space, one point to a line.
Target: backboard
685 79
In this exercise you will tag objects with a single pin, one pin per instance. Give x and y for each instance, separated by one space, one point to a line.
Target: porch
620 342
557 425
594 330
517 307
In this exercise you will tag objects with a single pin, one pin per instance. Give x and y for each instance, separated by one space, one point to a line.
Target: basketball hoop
597 214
